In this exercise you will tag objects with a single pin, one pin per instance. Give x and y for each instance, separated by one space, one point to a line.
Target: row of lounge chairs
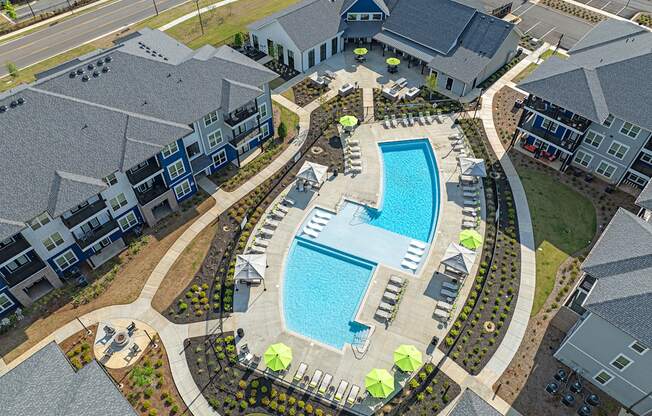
352 156
316 224
449 291
322 384
412 258
408 119
266 232
389 303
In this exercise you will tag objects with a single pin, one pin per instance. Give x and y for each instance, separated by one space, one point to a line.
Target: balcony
25 271
18 246
563 116
97 233
245 136
157 189
648 145
528 127
642 167
83 214
241 114
143 172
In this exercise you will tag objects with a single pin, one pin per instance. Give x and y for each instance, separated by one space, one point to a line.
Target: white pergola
313 173
473 167
250 268
459 258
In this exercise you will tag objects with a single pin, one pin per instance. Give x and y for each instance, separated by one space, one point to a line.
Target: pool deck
259 312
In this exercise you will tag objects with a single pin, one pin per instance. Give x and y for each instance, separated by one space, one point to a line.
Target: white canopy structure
473 167
313 173
250 267
458 258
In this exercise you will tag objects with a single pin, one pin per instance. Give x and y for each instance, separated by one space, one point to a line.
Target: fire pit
121 339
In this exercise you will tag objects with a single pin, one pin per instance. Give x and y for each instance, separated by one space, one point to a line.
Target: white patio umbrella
313 173
250 267
473 167
458 258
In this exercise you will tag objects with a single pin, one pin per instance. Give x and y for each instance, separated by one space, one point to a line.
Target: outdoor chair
315 379
409 265
428 117
353 395
394 121
110 331
311 233
287 201
404 119
392 297
412 257
441 315
132 327
330 74
318 220
315 226
422 119
301 371
416 251
341 389
444 306
397 280
383 315
386 122
325 383
393 289
451 286
386 307
322 214
417 243
135 349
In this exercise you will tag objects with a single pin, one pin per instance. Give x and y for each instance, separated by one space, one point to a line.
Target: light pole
155 7
199 14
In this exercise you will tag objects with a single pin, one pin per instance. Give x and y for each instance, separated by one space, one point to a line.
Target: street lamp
201 23
155 7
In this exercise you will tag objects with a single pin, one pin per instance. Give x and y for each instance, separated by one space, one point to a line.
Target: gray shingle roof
621 262
470 404
644 199
46 384
602 76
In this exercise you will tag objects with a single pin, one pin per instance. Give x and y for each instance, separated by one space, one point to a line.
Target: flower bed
486 315
307 91
644 19
574 10
434 102
528 42
79 347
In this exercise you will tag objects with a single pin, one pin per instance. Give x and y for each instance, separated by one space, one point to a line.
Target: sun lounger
397 280
417 243
467 194
289 202
353 155
451 286
309 232
470 188
341 389
324 215
422 119
416 251
409 265
315 379
282 208
393 289
384 315
278 213
468 224
353 395
428 117
448 293
471 203
473 212
355 170
261 243
355 162
325 383
320 221
404 120
256 250
271 223
438 119
394 121
386 307
315 226
441 314
301 371
444 306
266 231
386 122
330 74
392 297
410 119
413 258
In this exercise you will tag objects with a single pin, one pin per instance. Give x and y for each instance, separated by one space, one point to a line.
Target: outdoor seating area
120 343
345 89
572 391
260 241
414 255
389 303
316 224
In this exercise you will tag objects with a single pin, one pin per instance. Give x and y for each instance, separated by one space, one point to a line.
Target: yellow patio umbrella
393 61
360 51
470 239
408 358
278 356
348 121
379 383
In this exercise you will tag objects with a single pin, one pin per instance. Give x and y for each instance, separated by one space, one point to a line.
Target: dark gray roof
363 29
46 384
644 199
470 404
309 22
621 262
602 76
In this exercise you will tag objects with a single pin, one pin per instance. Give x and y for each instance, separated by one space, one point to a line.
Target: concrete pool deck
259 313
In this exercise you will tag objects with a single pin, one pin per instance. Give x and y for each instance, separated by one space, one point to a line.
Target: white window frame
210 118
645 349
177 172
260 110
212 136
611 363
69 262
111 179
646 158
18 264
264 130
40 221
595 377
579 160
168 150
51 240
181 186
630 127
609 165
130 221
103 243
609 121
547 122
219 155
592 137
7 299
620 147
119 204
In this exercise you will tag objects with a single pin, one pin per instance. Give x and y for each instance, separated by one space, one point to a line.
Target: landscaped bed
574 10
79 347
486 314
433 102
502 70
306 92
428 393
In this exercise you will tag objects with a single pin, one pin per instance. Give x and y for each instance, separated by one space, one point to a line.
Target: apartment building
592 110
114 140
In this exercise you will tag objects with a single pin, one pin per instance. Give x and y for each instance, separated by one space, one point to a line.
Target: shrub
148 392
174 409
242 384
146 405
153 412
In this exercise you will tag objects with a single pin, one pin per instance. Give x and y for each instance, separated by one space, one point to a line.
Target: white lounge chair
315 226
355 170
282 208
470 211
441 314
404 120
428 117
317 220
468 224
355 162
330 74
341 389
325 384
410 119
353 155
471 203
444 306
394 121
278 213
312 233
393 289
289 202
266 231
384 315
315 379
417 243
409 265
392 297
416 251
256 250
470 194
386 122
261 243
353 395
322 214
271 223
413 258
397 280
386 306
448 293
451 286
301 371
422 119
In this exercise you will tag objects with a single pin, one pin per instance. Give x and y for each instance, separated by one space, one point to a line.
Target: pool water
410 198
322 292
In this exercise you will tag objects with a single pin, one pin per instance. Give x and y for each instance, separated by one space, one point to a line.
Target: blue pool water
322 291
410 190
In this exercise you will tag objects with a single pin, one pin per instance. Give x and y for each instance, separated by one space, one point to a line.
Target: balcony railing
648 145
566 144
245 136
549 110
25 271
240 115
18 246
145 197
97 233
145 172
642 167
84 213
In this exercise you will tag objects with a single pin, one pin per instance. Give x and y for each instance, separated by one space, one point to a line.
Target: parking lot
616 7
549 25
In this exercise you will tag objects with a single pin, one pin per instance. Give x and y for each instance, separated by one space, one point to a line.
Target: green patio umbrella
470 239
278 357
379 383
393 61
348 121
407 358
360 51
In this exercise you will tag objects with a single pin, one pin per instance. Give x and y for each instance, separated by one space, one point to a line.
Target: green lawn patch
564 222
550 52
524 73
289 118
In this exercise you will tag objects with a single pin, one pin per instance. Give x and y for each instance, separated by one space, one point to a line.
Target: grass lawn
524 73
289 94
564 222
550 52
288 117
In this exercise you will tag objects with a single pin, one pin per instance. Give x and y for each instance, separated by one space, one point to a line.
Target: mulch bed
79 347
307 91
425 101
488 311
502 70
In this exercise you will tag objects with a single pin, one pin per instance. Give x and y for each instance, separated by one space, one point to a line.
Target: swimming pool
322 292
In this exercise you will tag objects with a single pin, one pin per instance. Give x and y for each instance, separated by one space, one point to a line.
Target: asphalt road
60 37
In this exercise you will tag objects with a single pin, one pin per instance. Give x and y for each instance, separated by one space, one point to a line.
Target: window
311 58
66 260
5 302
193 150
219 158
262 110
176 169
334 48
182 189
621 362
647 158
617 150
53 241
4 243
549 125
603 377
39 221
609 121
139 166
449 83
118 202
631 130
101 244
606 169
376 16
352 16
111 179
322 52
170 149
215 138
128 221
638 347
210 118
641 181
583 159
364 16
17 262
593 139
264 130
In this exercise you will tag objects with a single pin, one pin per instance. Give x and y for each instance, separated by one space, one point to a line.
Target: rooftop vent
13 104
21 101
96 73
100 62
90 66
108 58
85 78
80 71
73 74
106 69
165 59
3 108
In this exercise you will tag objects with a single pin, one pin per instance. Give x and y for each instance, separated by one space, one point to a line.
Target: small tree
282 131
431 83
273 52
12 69
10 10
238 40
